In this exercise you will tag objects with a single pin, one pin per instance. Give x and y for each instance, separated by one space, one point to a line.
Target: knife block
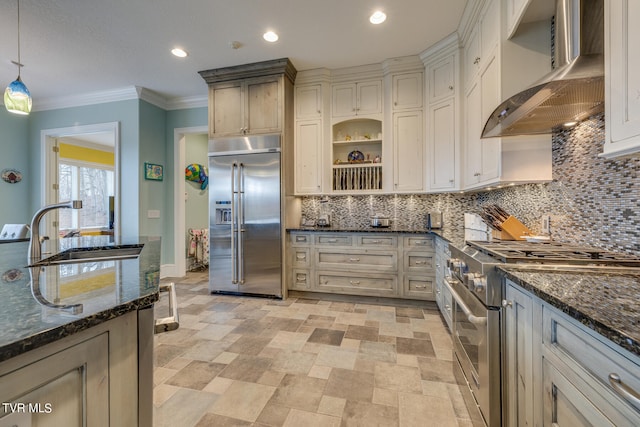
512 229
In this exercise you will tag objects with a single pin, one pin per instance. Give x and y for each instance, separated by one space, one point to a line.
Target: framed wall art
153 172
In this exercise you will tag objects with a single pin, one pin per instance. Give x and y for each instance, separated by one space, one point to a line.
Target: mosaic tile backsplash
591 201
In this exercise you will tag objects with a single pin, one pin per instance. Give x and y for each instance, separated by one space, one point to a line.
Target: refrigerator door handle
241 224
234 258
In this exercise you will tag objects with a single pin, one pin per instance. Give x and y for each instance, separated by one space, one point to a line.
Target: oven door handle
470 317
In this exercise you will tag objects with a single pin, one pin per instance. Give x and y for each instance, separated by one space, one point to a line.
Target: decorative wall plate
11 176
356 156
12 275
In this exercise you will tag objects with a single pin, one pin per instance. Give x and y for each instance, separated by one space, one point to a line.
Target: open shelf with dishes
357 153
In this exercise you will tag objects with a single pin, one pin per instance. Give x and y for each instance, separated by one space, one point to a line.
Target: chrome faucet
35 248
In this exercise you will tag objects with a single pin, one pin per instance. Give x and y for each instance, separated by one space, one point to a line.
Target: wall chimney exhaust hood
574 90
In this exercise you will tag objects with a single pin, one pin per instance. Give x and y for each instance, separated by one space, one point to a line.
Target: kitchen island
76 338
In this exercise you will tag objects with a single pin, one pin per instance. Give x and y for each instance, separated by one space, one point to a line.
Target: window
91 183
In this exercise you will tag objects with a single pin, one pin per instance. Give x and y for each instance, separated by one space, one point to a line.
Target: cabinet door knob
354 282
477 60
507 303
451 181
450 87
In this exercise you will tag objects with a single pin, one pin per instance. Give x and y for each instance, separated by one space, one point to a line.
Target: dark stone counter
446 234
606 300
106 289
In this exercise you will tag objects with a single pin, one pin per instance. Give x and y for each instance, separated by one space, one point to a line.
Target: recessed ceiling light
180 53
378 17
270 36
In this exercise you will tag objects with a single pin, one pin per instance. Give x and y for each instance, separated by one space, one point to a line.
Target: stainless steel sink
95 254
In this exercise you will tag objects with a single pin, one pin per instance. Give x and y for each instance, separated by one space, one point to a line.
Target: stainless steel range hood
574 90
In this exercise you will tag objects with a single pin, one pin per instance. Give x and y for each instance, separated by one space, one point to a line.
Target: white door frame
48 164
179 189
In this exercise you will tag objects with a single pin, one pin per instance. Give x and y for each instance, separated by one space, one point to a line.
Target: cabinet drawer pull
301 238
422 242
354 282
354 259
421 262
332 240
421 287
627 393
376 242
301 256
301 278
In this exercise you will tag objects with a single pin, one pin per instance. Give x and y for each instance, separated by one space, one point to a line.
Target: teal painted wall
14 154
152 150
124 112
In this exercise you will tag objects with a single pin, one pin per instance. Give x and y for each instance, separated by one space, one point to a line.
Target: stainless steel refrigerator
245 216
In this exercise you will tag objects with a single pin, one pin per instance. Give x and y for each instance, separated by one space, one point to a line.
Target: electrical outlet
546 224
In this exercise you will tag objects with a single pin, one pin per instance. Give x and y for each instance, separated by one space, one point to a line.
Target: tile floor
239 361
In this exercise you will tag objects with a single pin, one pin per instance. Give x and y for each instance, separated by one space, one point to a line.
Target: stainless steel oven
476 331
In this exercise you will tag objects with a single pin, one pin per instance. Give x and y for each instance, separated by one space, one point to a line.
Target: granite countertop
106 289
606 300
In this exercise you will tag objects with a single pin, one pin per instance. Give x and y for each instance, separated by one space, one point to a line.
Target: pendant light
17 98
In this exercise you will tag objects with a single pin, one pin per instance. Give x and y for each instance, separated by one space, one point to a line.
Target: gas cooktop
552 252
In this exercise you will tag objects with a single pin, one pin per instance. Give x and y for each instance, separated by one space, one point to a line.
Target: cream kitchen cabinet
482 156
408 151
357 99
443 116
443 296
407 91
250 106
309 101
369 264
622 78
308 156
500 68
520 341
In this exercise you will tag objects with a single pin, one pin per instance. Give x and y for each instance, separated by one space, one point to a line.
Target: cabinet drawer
372 284
300 257
568 341
445 305
333 240
350 260
422 287
422 242
300 279
300 239
377 241
419 261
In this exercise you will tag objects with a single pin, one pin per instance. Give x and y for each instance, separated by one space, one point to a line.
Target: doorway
180 136
82 162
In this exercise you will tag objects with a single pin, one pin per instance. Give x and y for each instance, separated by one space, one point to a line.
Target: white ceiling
74 47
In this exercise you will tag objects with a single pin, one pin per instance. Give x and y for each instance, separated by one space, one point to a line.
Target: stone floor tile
415 347
351 318
395 329
413 312
297 418
377 351
213 332
163 392
336 357
332 406
434 388
273 415
322 372
404 320
361 414
242 400
345 307
178 363
211 420
351 385
271 378
195 375
436 370
160 375
383 396
183 409
350 344
381 316
300 392
246 368
205 350
293 362
362 333
218 385
407 360
326 336
414 409
164 353
225 358
399 378
249 345
293 341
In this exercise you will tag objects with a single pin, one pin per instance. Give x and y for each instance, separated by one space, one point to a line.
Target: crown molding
122 94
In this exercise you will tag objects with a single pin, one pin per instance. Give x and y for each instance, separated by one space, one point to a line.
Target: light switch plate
153 213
